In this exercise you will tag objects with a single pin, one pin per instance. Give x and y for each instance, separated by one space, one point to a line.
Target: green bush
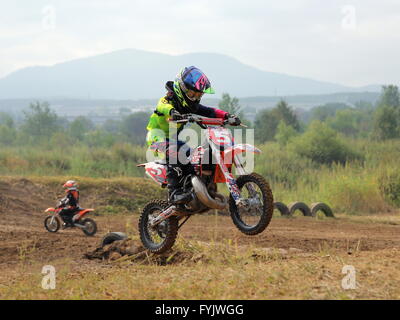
7 135
285 133
353 193
323 145
389 185
282 167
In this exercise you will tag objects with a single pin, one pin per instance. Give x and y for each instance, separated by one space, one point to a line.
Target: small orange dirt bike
52 223
250 197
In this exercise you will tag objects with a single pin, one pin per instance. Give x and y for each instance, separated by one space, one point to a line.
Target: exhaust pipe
202 194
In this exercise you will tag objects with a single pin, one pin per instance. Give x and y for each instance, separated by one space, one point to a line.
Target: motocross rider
183 97
70 203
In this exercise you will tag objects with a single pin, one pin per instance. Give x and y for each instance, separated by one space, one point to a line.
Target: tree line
379 121
41 125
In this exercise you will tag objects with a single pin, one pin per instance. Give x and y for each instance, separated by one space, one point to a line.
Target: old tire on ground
111 237
265 211
320 206
282 208
294 206
90 227
52 225
166 231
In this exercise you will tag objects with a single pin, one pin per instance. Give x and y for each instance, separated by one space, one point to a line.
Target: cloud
298 37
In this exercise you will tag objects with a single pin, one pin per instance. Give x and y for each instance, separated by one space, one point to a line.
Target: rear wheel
52 224
160 238
90 227
255 213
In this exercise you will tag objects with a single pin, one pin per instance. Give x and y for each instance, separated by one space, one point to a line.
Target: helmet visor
209 90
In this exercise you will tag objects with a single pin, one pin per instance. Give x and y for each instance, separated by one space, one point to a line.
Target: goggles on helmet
194 95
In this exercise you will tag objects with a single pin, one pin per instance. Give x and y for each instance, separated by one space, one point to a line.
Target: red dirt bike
52 223
250 201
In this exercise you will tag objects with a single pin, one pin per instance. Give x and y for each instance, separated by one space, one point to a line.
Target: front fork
169 212
53 217
231 181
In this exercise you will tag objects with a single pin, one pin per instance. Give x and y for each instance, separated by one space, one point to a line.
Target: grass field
358 187
295 258
216 270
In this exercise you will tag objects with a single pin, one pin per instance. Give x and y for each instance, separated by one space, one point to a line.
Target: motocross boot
176 195
66 225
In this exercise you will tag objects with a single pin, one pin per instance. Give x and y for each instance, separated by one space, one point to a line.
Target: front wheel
90 228
160 238
52 224
255 211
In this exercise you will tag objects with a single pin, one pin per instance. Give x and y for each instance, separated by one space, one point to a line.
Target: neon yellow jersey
159 121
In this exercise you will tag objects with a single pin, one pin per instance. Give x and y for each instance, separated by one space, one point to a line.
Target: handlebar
203 121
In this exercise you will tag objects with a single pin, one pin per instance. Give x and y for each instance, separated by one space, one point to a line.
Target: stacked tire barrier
307 211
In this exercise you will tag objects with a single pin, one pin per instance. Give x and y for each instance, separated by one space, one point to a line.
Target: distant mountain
136 74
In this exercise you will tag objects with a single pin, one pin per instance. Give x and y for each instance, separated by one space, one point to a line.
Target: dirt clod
115 250
114 256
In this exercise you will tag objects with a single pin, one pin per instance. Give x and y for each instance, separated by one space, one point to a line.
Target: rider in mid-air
183 97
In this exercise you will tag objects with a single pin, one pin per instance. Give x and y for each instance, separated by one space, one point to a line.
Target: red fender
238 149
157 172
81 213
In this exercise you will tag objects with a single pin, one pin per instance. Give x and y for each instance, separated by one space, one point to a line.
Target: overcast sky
353 42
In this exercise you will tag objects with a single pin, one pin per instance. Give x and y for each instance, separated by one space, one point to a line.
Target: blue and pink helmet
190 85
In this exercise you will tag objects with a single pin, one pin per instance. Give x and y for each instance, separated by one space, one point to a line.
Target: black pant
67 214
176 169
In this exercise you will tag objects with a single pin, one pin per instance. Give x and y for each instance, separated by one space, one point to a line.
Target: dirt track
315 271
22 233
